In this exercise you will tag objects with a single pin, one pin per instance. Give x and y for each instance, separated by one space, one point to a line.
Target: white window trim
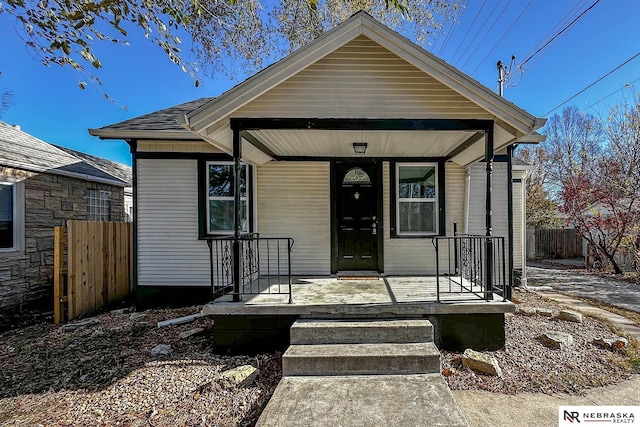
226 198
18 216
434 200
101 206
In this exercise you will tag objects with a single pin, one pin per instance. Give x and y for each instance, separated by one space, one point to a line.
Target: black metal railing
264 265
470 264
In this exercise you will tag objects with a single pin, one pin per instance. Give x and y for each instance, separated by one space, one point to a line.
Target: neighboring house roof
20 150
119 170
161 124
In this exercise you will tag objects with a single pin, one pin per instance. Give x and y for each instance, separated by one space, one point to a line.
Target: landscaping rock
480 362
135 316
161 350
526 311
611 343
242 376
544 312
557 340
571 316
80 324
190 333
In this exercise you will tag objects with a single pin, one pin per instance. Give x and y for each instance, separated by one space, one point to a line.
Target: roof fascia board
450 76
143 134
272 76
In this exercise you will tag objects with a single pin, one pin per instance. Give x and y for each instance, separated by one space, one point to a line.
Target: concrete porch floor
393 295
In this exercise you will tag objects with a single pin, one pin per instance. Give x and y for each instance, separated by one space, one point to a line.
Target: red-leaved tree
597 176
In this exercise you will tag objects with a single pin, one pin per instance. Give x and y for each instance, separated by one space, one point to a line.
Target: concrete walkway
582 284
482 408
362 401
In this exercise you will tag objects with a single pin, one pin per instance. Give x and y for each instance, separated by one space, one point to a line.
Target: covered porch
261 321
367 296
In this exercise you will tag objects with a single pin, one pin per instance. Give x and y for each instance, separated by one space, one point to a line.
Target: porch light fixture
359 148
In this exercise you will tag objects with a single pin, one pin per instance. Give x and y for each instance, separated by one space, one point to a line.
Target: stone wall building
42 186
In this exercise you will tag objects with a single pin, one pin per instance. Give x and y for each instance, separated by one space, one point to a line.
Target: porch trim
248 123
243 126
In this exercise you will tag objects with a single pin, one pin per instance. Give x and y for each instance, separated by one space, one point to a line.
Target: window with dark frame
7 215
416 207
220 198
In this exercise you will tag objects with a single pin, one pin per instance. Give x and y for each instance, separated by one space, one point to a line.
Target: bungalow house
359 155
43 186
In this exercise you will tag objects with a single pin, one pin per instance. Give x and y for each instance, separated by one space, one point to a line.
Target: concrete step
365 331
362 401
361 359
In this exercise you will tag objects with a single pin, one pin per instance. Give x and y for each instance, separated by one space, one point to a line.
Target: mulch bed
104 374
529 366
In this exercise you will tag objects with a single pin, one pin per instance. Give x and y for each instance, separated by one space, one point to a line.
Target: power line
595 82
488 32
546 46
452 27
628 85
559 33
468 30
503 36
567 17
480 30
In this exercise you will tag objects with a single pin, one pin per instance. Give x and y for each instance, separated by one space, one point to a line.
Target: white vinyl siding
499 207
416 256
362 79
169 252
477 207
518 222
293 200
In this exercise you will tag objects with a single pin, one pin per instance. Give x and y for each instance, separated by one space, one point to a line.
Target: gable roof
161 124
20 150
216 110
118 170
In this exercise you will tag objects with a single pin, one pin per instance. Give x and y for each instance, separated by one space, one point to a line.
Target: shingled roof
119 170
20 150
159 123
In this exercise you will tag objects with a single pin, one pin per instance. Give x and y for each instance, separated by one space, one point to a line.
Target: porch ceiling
336 143
464 146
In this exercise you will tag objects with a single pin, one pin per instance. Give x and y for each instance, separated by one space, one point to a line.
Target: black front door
357 215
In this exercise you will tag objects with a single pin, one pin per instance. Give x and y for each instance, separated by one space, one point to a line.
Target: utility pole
500 66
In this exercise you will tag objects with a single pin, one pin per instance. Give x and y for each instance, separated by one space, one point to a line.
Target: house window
8 201
220 198
417 199
98 205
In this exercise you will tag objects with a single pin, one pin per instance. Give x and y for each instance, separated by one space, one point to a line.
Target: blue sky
49 105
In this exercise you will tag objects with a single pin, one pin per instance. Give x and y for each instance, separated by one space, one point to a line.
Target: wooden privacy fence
554 243
92 267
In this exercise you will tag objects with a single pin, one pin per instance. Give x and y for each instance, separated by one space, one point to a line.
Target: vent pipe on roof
17 127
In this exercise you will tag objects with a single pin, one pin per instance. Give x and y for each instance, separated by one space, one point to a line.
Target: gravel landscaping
530 366
103 374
